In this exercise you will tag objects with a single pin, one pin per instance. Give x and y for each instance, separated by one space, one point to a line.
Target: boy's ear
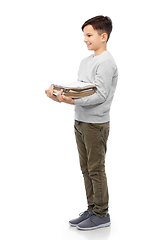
104 37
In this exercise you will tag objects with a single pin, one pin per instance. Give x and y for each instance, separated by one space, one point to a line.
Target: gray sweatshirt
102 71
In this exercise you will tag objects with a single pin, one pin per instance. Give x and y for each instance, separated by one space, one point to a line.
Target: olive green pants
91 143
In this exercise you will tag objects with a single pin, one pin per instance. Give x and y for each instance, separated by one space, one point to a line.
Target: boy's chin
90 49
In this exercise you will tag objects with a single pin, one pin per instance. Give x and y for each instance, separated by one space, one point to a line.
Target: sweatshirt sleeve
103 81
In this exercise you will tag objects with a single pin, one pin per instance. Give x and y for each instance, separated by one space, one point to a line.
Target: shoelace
82 213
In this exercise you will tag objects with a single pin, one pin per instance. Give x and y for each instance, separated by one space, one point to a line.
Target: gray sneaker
94 222
83 216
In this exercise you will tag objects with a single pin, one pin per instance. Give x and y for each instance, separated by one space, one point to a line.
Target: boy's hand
49 94
63 98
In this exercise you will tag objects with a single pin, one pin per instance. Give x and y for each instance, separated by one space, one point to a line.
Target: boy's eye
89 35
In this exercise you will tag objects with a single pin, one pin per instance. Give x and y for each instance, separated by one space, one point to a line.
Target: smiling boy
92 118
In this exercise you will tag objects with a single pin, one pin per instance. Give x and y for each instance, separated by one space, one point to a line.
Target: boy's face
93 40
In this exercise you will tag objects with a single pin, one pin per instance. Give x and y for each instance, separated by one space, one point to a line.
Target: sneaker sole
95 227
73 225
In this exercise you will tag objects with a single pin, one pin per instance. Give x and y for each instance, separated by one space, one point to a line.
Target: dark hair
101 24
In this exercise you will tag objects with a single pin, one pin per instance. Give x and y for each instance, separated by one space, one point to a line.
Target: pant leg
83 158
95 140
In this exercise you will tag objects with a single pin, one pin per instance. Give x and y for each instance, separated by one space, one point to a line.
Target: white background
41 186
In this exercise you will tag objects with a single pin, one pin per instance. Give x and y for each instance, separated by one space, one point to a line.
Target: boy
92 121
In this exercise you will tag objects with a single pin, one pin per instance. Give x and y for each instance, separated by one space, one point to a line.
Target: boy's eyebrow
87 33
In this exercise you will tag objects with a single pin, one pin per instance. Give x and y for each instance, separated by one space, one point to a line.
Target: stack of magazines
76 89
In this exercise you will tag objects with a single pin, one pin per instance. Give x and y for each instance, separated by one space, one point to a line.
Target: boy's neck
100 50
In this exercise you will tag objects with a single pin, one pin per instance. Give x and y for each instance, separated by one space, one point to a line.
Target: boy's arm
103 81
